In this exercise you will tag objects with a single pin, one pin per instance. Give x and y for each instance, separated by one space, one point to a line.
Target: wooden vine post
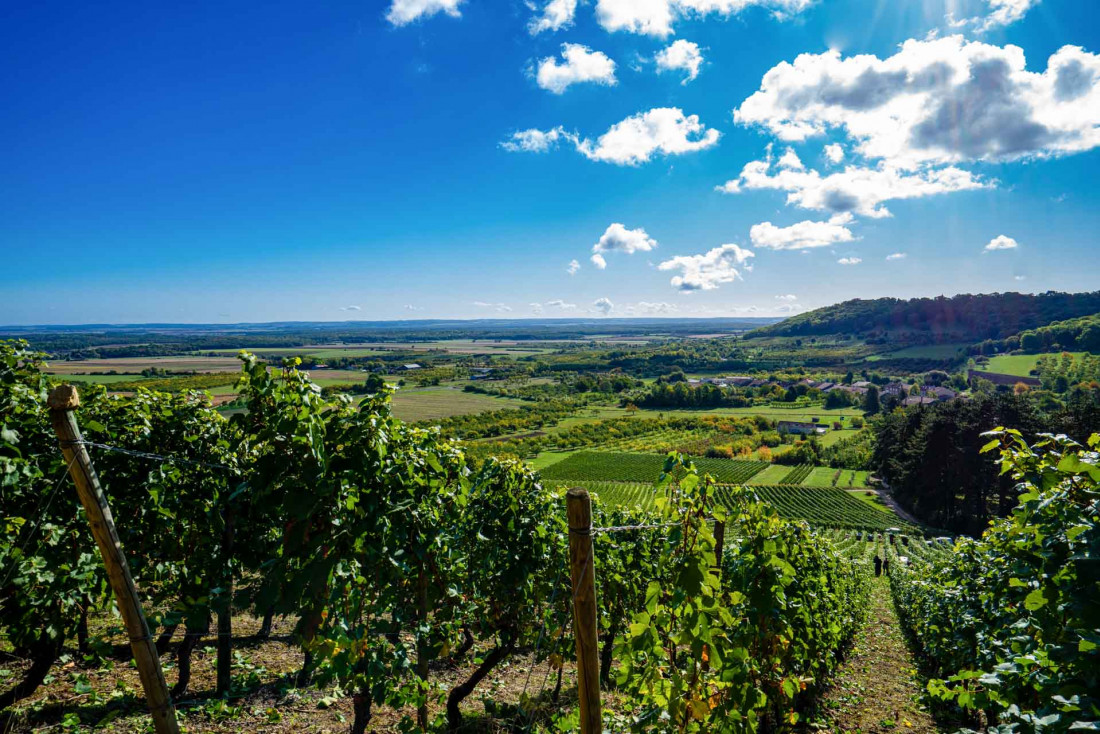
582 567
62 402
719 543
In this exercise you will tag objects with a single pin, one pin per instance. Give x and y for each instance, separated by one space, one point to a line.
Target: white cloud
558 303
574 266
534 140
1001 242
500 307
855 189
834 152
658 307
849 261
603 305
410 307
351 308
705 272
656 17
633 141
581 64
790 160
788 297
803 235
403 12
617 238
1019 277
555 15
1001 13
935 101
683 55
536 308
896 256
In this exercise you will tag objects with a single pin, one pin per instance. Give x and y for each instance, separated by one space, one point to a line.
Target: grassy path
876 689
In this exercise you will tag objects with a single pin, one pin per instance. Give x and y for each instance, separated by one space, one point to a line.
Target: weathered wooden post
582 567
719 543
62 401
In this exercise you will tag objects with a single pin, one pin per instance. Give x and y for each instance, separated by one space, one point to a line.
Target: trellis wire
147 455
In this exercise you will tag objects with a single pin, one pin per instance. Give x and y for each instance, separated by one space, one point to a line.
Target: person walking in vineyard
886 566
878 566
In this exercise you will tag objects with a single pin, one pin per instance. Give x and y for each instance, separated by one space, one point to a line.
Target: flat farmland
374 349
134 365
420 404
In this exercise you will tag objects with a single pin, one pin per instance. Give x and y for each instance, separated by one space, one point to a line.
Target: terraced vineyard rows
591 466
866 544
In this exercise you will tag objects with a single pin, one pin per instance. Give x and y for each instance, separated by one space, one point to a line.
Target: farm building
408 367
799 427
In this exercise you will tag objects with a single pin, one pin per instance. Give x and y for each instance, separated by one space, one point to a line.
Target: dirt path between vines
877 688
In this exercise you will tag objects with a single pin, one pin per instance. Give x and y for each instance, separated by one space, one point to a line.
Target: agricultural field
417 404
596 466
1019 365
134 365
929 351
821 507
774 474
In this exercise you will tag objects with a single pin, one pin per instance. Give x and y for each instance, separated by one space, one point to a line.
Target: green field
772 475
607 466
1019 365
822 507
418 404
927 351
96 379
821 476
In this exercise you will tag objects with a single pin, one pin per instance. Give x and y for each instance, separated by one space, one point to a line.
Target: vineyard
821 507
597 466
407 584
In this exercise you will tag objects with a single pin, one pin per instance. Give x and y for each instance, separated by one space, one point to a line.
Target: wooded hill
962 318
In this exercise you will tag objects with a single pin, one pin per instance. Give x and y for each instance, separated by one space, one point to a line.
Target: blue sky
436 158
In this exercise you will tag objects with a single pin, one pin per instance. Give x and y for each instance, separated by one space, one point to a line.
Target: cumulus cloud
657 17
580 64
856 189
935 101
896 256
849 261
656 308
603 306
499 307
617 238
574 266
534 140
403 12
554 16
834 152
788 297
351 308
536 308
803 235
631 142
1000 13
705 272
1001 242
558 303
790 160
683 55
410 307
